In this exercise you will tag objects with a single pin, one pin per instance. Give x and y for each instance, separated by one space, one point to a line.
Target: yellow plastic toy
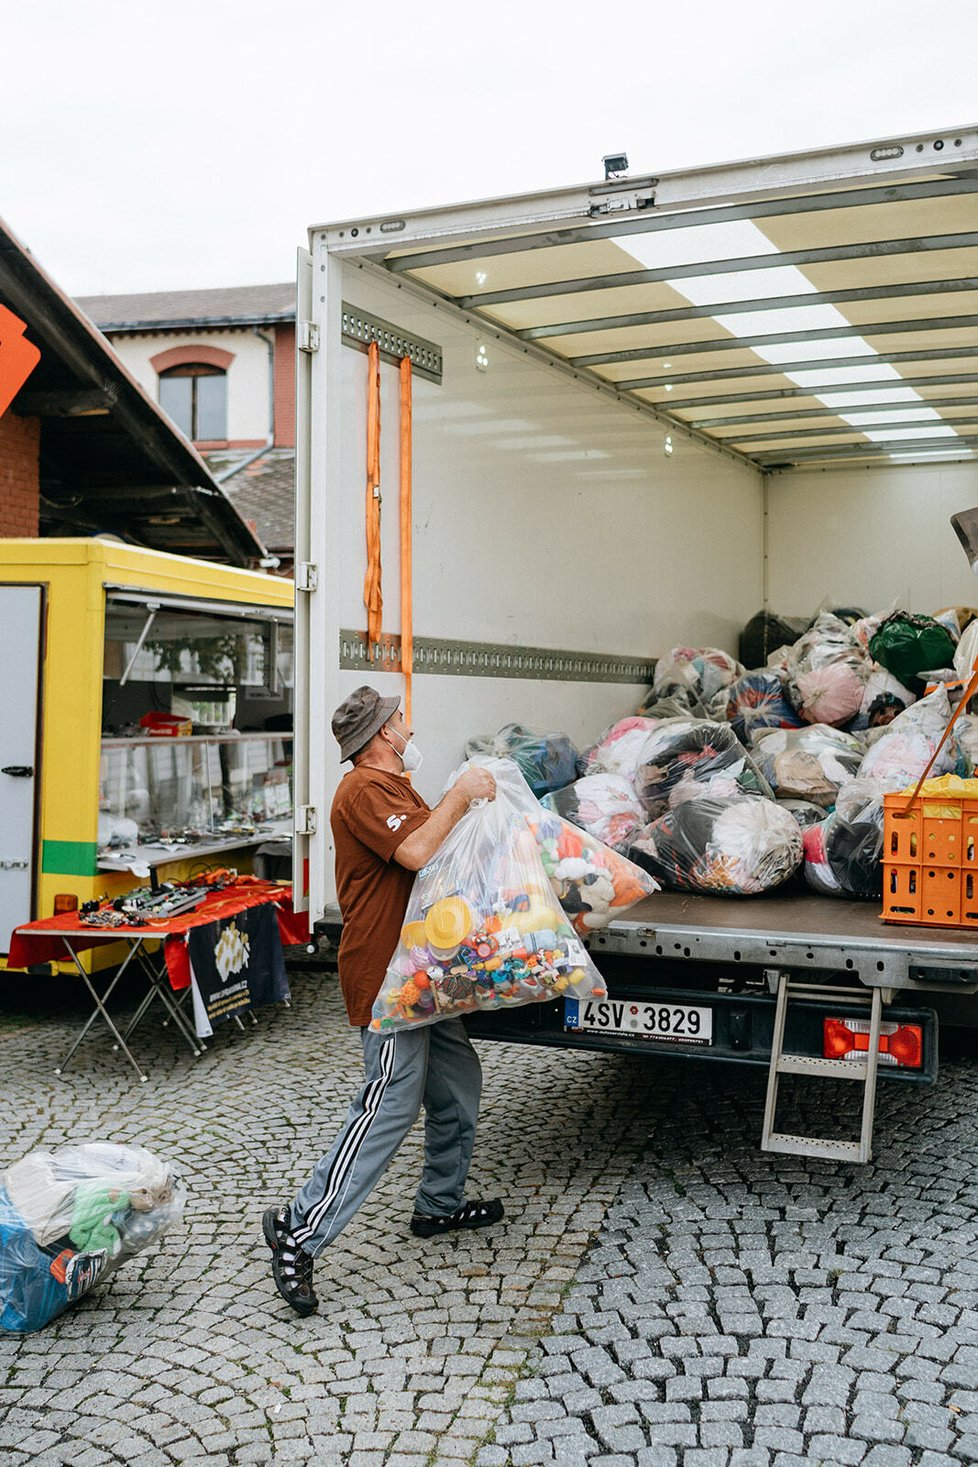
448 923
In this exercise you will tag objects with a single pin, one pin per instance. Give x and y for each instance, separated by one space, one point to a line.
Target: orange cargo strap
372 594
407 607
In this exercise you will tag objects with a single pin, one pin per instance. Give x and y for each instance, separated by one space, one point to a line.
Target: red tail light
900 1044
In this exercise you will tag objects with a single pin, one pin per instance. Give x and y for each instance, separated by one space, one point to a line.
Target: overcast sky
191 142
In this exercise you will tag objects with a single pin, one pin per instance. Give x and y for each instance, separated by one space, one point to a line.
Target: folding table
167 972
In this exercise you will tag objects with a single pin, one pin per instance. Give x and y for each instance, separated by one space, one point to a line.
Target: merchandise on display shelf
741 846
899 753
696 674
547 761
605 805
759 700
766 632
690 758
908 645
810 763
483 929
842 855
70 1217
619 749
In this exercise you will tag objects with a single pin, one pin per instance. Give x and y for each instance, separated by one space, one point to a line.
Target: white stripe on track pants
434 1066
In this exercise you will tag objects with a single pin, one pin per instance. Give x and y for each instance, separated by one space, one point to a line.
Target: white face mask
411 755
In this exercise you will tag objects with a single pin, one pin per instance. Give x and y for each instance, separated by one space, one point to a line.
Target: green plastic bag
907 645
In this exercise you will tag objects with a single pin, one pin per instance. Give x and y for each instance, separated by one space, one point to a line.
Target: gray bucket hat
359 717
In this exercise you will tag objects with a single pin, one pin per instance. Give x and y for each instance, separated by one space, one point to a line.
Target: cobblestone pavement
660 1291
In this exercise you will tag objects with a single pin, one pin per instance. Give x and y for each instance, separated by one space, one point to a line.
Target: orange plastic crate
930 861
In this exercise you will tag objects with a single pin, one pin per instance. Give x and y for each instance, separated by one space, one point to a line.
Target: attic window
194 397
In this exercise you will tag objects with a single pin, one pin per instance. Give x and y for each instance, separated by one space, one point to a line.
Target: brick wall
20 444
285 386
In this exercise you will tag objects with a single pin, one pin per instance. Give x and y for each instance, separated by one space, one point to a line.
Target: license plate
671 1023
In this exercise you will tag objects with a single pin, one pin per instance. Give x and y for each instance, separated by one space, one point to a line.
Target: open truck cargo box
621 392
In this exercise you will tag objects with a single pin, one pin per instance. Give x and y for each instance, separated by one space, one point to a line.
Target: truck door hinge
305 820
307 576
619 203
307 336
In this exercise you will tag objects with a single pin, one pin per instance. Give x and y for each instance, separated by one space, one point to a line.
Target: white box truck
641 410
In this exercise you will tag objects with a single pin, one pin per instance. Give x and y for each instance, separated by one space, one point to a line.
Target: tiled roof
263 492
225 305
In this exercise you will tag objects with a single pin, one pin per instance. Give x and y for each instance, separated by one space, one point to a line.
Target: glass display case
159 795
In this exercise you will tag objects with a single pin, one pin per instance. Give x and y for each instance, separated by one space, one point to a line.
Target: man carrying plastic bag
383 833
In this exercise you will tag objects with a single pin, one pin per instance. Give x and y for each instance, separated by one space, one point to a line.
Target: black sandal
469 1215
291 1265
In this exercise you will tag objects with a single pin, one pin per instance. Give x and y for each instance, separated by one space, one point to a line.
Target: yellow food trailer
145 724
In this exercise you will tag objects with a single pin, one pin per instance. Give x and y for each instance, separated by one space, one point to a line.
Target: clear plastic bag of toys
547 761
70 1217
738 847
483 929
593 883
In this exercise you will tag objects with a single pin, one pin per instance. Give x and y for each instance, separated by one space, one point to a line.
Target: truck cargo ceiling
810 309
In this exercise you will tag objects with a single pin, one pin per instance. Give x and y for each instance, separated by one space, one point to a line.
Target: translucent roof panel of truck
802 310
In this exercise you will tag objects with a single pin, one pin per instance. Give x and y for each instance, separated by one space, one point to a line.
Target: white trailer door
20 637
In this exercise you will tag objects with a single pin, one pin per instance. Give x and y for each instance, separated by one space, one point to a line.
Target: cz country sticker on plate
674 1023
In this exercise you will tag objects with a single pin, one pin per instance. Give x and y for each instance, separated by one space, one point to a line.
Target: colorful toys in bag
688 758
605 805
547 761
483 930
70 1217
811 763
593 883
740 847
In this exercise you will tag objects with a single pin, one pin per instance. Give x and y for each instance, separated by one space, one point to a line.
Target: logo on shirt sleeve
394 822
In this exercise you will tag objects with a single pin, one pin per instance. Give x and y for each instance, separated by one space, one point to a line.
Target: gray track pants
434 1066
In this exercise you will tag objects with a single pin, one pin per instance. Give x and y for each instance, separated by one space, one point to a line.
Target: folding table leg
100 1007
159 988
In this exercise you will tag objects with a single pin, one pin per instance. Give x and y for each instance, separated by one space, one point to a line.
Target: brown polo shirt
373 812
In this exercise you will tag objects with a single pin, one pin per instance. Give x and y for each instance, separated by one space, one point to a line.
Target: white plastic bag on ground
69 1217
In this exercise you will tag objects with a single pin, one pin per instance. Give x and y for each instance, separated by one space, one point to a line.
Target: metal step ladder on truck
574 428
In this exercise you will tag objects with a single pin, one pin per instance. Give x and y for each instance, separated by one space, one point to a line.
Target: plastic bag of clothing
70 1217
907 645
683 756
899 753
804 812
547 761
827 640
810 763
619 749
964 737
966 652
741 846
832 694
605 805
658 708
483 929
759 700
765 633
698 672
593 883
883 698
843 855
